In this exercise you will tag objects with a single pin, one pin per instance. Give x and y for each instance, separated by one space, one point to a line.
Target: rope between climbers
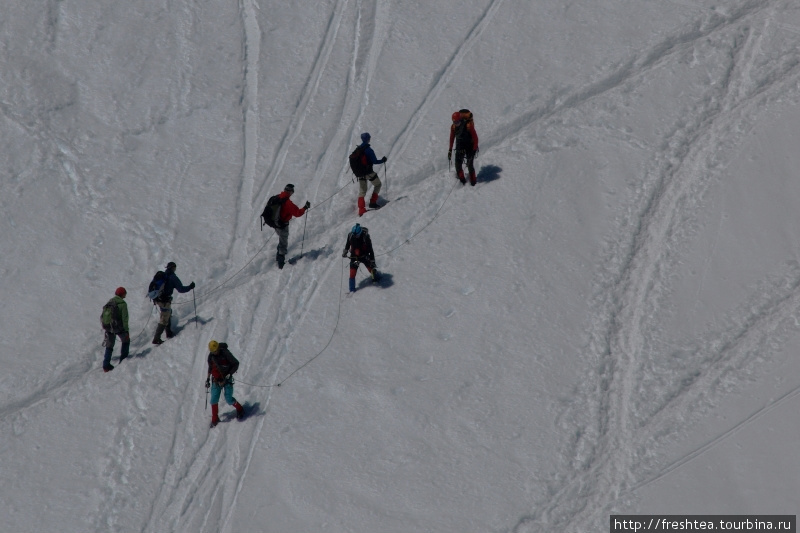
341 285
333 333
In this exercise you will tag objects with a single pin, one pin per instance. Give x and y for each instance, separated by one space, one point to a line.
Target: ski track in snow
88 199
187 472
300 304
442 80
199 489
639 271
252 58
304 101
351 108
187 467
171 505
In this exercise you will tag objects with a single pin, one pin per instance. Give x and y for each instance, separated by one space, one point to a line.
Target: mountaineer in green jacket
115 323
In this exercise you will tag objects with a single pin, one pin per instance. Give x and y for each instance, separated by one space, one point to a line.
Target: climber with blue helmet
359 245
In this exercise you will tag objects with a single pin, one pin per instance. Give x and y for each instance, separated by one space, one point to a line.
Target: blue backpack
156 287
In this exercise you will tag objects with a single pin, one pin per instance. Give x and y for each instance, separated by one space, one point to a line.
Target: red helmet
456 116
121 292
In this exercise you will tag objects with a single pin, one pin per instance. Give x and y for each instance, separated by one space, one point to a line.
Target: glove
191 285
208 381
383 160
449 155
344 254
307 206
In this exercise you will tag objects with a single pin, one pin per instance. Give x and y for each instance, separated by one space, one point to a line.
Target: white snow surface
607 323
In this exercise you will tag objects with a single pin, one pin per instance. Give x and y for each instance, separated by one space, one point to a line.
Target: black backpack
224 360
270 215
111 318
358 162
156 287
362 242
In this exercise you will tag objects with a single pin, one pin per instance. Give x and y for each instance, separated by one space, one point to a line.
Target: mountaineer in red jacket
288 210
462 131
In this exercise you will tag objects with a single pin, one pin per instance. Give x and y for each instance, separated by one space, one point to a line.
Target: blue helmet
356 230
365 137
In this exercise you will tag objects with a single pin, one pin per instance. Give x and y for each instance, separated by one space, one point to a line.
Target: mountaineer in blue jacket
164 302
368 175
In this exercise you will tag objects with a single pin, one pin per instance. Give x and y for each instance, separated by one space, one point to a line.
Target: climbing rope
333 333
185 302
338 311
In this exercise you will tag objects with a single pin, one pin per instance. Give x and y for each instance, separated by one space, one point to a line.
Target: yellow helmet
213 346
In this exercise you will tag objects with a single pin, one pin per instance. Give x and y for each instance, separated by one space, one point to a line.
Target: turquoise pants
216 390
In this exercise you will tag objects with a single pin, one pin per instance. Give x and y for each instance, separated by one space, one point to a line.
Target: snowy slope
606 323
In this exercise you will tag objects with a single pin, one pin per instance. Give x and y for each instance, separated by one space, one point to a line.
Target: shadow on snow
489 173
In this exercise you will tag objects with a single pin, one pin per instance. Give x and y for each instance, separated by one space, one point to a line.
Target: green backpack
111 317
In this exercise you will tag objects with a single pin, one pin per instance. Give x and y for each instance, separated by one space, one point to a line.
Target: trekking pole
195 309
305 221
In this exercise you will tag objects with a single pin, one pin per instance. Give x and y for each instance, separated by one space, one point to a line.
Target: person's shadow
311 255
384 282
489 173
196 320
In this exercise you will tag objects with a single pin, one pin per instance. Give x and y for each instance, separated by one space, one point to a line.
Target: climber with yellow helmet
221 367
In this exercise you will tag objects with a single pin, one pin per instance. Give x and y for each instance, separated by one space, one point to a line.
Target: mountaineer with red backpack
361 161
462 131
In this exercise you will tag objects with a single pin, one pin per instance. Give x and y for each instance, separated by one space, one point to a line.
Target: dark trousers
469 155
110 340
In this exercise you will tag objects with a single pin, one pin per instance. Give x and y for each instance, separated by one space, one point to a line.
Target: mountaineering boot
157 337
108 368
239 410
352 284
169 331
461 177
281 259
214 414
473 179
373 202
362 208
